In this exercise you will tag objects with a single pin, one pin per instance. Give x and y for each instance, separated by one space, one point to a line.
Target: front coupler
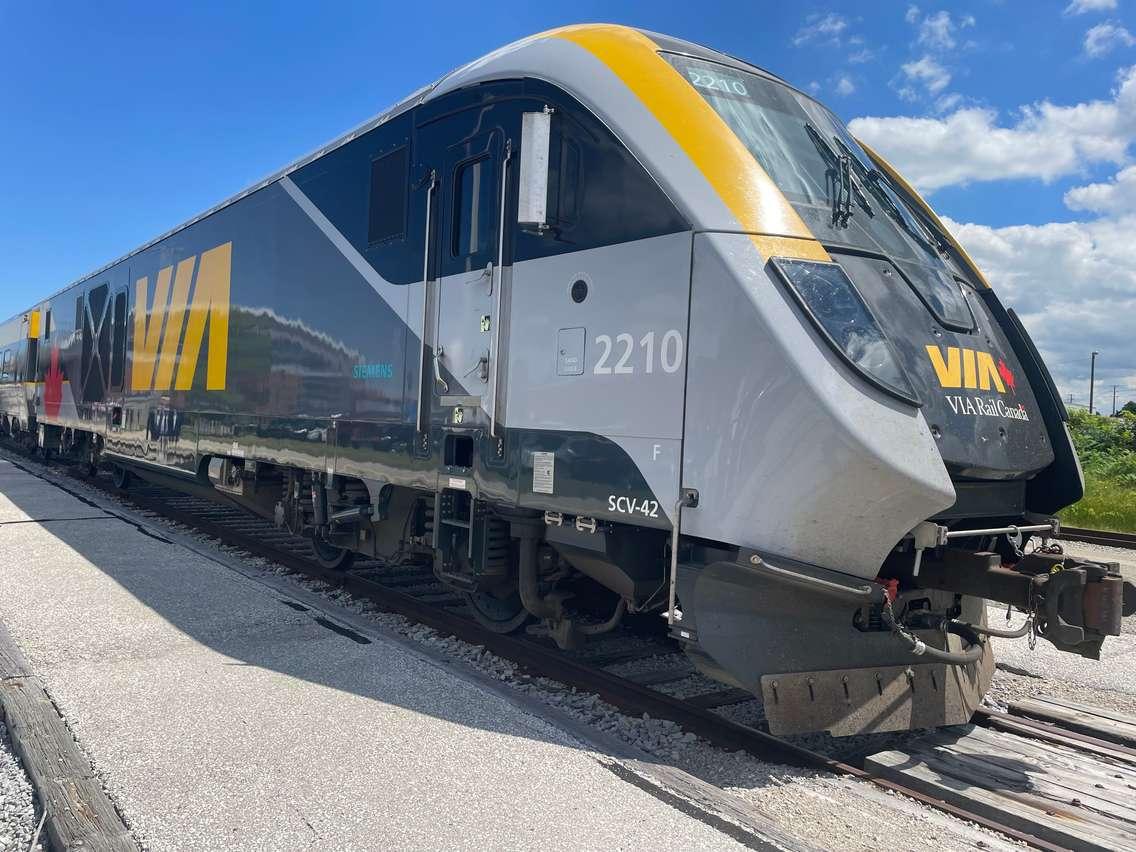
1075 602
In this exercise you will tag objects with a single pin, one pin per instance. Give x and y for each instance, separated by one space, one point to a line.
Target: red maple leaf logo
53 386
1007 375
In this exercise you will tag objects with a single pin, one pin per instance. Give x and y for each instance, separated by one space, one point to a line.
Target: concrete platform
221 718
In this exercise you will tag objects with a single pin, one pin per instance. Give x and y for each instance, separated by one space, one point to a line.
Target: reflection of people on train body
163 423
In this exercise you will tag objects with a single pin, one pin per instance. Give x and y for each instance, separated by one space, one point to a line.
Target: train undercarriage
824 650
515 567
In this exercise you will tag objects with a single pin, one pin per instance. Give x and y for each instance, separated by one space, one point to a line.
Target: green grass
1107 448
1107 505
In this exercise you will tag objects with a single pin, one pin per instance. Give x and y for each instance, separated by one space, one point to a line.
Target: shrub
1107 449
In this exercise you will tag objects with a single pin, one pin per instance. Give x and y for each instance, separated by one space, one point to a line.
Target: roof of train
665 42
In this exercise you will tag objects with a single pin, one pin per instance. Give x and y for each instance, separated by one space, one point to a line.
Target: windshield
831 182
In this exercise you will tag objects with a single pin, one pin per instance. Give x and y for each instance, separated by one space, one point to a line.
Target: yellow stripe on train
745 188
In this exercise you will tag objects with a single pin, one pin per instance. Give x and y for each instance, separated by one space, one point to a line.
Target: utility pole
1114 400
1092 379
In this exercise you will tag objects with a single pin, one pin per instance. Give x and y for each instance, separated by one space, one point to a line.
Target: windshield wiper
844 179
838 177
931 233
938 238
928 233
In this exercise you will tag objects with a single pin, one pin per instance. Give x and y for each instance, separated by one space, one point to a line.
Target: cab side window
6 366
473 225
567 185
598 194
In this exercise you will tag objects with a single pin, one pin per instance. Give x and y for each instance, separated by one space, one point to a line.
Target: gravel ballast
19 814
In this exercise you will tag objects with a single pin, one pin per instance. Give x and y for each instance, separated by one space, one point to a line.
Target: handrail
425 304
499 271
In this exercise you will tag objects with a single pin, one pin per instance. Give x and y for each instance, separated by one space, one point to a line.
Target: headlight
832 302
943 295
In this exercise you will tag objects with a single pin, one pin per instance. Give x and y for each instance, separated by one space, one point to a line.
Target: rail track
1105 537
413 592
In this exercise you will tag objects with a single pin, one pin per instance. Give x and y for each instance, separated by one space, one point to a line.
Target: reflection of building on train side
307 367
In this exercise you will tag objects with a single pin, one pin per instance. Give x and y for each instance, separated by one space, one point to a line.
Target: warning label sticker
544 471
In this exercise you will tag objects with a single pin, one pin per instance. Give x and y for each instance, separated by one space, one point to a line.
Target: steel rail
1050 731
549 662
1105 537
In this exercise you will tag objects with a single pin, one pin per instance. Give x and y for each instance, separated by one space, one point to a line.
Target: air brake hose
972 654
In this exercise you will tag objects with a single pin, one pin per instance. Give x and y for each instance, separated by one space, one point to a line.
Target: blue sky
119 122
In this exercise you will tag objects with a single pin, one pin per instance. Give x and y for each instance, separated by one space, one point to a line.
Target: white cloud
937 31
1037 265
948 102
1047 141
1080 7
814 87
1070 282
926 72
821 28
1103 38
833 29
1115 197
928 76
844 85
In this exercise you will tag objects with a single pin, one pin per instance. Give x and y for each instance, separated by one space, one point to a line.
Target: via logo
970 368
169 328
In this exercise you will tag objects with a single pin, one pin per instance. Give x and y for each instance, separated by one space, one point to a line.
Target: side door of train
461 158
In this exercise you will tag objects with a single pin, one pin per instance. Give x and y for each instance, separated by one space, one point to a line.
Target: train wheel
120 476
331 557
499 614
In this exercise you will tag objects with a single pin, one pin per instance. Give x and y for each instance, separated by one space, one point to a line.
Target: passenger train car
606 322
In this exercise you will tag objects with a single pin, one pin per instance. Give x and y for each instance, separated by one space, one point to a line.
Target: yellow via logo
160 323
968 368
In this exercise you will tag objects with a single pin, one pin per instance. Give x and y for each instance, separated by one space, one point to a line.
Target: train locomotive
606 323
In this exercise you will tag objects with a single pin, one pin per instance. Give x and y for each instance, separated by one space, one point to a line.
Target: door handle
482 366
439 351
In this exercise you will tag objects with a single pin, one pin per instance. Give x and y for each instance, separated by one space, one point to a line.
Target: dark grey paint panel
588 471
972 444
